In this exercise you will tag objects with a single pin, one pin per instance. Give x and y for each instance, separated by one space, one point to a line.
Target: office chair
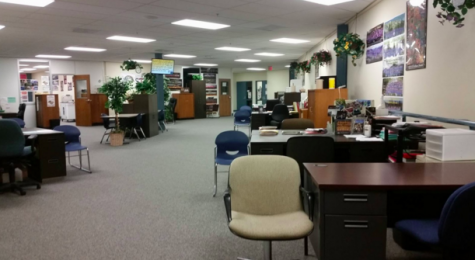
108 125
279 114
309 149
172 105
13 151
20 122
246 108
297 124
73 144
138 126
21 111
161 121
227 144
454 232
264 201
242 118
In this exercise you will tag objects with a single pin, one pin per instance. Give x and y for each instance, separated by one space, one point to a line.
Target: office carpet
145 200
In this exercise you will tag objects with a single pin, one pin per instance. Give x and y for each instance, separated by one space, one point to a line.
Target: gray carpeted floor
146 200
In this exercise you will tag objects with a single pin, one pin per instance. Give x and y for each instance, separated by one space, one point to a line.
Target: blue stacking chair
242 118
20 122
454 232
246 108
73 144
229 146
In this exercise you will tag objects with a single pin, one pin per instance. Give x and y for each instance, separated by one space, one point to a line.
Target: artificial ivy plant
454 10
131 65
322 58
349 44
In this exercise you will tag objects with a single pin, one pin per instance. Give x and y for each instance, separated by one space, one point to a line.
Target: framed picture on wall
416 35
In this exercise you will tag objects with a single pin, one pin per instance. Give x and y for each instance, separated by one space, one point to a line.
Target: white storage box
450 144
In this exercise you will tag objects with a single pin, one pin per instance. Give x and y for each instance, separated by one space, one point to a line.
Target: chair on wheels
12 152
21 111
73 144
172 105
229 146
20 122
161 121
279 114
309 149
108 125
297 124
264 202
246 108
242 118
138 126
453 233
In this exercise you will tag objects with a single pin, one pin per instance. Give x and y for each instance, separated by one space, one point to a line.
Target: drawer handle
267 150
359 224
53 161
355 197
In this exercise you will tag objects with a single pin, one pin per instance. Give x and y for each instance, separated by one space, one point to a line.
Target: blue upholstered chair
20 122
229 146
242 118
454 232
246 108
73 144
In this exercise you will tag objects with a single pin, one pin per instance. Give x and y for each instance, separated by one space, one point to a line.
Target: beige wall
247 76
277 80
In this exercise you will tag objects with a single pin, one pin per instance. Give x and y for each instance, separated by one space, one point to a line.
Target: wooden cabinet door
311 105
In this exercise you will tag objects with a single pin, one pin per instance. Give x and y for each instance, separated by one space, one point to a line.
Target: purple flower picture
394 47
375 35
394 27
393 87
393 67
395 104
374 53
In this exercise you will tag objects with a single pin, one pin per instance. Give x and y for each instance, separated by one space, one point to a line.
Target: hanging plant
453 11
131 65
322 58
349 44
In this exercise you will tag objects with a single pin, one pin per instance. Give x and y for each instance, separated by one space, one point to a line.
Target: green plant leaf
464 11
451 8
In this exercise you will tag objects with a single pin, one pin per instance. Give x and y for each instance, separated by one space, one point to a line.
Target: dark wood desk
346 150
8 115
263 119
50 154
357 202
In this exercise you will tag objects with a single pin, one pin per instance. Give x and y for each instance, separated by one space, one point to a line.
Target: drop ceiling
31 31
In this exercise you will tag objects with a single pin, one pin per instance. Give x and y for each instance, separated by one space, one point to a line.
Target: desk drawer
355 203
272 149
354 237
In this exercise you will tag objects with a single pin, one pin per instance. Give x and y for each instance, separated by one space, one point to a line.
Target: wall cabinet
185 107
318 102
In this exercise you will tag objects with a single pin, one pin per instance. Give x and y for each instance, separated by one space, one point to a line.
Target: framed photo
343 126
358 125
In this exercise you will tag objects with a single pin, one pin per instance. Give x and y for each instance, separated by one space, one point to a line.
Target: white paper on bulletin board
50 101
5 105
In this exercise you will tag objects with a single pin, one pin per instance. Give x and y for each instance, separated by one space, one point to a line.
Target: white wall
247 76
96 70
10 81
277 80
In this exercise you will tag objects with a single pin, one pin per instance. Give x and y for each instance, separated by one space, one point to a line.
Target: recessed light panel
143 61
206 64
269 54
31 60
28 69
73 48
226 48
130 39
2 26
41 67
180 56
289 40
38 3
23 65
53 56
247 60
256 69
201 24
287 66
328 2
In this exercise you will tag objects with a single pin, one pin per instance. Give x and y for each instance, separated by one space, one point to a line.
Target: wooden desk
357 202
50 154
346 150
8 115
263 119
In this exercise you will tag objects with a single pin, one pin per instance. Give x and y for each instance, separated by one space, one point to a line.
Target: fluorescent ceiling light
225 48
289 40
269 54
28 69
201 24
180 56
53 56
23 65
34 60
143 61
2 26
247 60
38 3
41 67
287 66
206 64
328 2
130 39
72 48
256 69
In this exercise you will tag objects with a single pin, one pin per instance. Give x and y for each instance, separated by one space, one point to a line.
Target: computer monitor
271 103
164 67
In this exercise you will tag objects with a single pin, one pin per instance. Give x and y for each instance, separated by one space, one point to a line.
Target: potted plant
115 90
131 65
322 58
349 44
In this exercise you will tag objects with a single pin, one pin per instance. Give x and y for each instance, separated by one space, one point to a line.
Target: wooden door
82 98
225 97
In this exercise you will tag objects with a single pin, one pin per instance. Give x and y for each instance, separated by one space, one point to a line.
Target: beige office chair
266 201
297 124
